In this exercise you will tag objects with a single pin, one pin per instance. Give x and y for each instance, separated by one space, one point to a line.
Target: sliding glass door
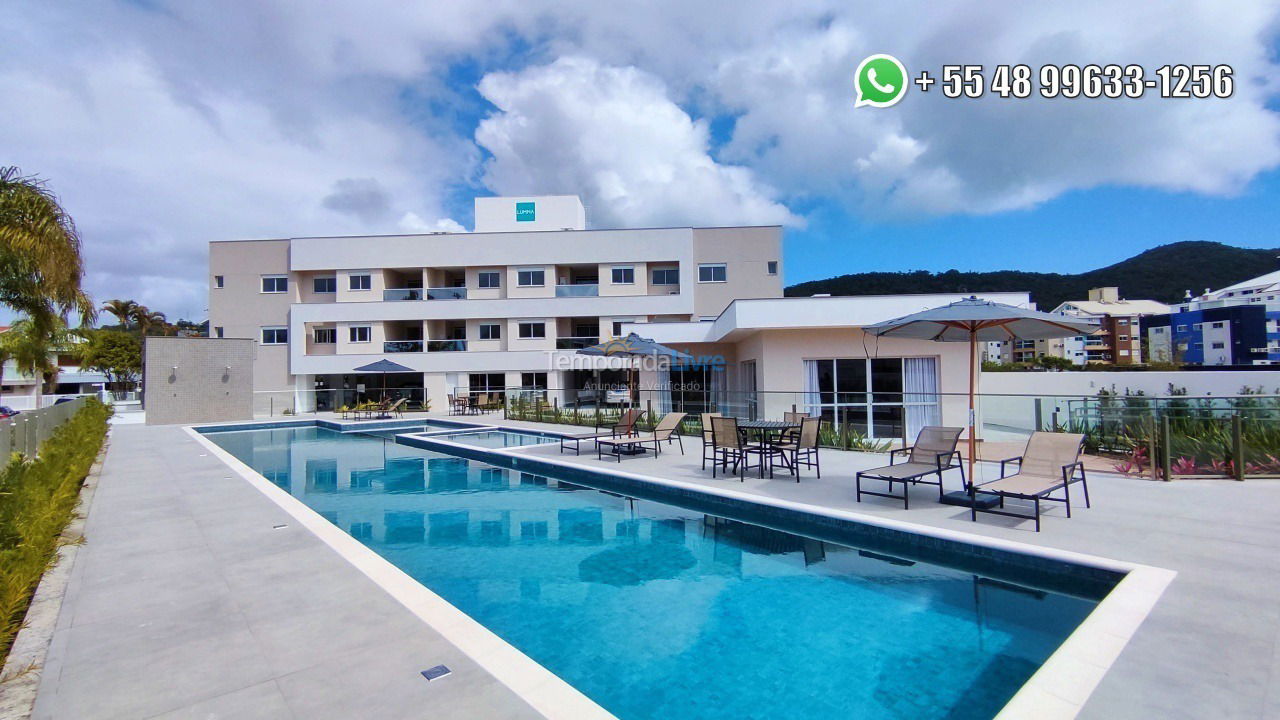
877 397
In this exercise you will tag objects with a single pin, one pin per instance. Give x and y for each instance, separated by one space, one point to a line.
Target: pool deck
186 601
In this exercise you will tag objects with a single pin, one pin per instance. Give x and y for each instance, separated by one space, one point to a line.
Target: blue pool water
496 438
657 611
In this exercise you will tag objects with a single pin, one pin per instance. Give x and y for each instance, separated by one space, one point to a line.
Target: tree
115 354
146 319
40 262
122 309
30 346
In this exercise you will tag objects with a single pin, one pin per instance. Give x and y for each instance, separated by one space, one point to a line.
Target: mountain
1163 273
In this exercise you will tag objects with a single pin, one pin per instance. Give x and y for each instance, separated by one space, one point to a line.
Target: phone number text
1088 81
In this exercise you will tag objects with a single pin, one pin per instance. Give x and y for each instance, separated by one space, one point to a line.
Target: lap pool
657 610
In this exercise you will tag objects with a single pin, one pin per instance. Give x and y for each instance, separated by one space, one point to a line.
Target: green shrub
37 498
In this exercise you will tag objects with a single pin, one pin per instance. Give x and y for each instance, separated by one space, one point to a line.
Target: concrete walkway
187 602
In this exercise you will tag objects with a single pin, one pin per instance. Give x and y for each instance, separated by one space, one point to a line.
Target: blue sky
165 125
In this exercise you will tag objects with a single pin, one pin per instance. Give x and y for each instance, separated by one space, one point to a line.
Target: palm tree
123 310
31 346
146 318
40 262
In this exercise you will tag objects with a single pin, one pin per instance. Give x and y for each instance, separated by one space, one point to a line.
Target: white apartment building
503 306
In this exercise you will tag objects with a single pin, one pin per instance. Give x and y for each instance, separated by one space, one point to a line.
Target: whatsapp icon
881 81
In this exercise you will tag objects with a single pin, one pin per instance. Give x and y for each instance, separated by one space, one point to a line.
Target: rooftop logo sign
524 212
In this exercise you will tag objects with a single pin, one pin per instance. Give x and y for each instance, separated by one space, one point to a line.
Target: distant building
1237 325
21 391
1120 339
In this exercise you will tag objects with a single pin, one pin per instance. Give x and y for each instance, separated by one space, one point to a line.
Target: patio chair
457 405
397 408
1050 462
801 448
729 444
934 452
480 403
664 431
707 444
626 425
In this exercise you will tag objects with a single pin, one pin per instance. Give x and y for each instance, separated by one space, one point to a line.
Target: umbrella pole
973 379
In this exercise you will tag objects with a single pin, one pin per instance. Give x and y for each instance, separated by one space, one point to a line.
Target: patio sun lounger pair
664 431
625 426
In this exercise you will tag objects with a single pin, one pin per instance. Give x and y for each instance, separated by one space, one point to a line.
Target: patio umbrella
634 346
973 320
383 367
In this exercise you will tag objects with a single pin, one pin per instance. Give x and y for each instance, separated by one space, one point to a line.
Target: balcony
446 345
575 343
447 293
402 346
401 294
577 290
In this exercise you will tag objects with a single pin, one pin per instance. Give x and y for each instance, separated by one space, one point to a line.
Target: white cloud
612 135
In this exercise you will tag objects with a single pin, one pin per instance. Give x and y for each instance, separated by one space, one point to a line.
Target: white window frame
653 276
520 281
262 335
352 334
219 281
334 278
480 331
351 282
480 279
315 336
262 285
613 275
520 326
712 266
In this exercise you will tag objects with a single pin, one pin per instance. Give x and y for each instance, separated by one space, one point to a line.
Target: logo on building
524 212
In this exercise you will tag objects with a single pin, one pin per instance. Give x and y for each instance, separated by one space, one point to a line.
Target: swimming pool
655 610
496 438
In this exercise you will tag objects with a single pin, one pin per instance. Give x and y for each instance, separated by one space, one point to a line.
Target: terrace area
197 595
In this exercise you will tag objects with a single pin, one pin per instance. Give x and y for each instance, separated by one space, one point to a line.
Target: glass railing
402 346
446 345
576 343
577 290
400 294
449 293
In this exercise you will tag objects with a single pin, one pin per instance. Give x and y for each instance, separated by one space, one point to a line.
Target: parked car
61 400
7 412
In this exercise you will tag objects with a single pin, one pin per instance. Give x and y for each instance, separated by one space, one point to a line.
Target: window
876 397
1182 328
668 276
773 267
533 330
487 383
533 381
275 283
275 336
1219 325
1124 338
489 279
490 331
1158 331
531 277
326 336
624 275
217 331
361 282
617 325
218 281
1197 327
361 333
325 285
712 273
1219 346
1124 353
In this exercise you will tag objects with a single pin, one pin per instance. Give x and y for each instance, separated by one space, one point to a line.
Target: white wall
1151 383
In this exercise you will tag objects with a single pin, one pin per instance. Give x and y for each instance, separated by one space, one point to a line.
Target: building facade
1119 339
1237 325
505 306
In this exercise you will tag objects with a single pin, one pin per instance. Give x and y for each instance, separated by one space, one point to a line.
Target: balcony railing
446 345
400 294
402 346
449 293
575 343
577 290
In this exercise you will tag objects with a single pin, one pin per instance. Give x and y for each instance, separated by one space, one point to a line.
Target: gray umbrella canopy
973 320
634 346
383 366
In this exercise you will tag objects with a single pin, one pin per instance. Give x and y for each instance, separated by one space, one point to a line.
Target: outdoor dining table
768 431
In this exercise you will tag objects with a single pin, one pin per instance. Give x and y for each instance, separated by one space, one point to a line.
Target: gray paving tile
263 701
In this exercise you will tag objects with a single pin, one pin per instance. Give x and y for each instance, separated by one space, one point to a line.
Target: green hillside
1163 273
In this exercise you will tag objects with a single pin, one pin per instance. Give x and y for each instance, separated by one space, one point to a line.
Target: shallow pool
657 611
496 438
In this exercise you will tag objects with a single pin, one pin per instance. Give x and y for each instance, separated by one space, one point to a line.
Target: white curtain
663 391
812 398
920 393
719 398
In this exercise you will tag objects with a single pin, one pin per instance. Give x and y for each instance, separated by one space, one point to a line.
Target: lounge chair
729 444
707 444
664 431
934 452
800 448
1050 462
457 405
626 425
397 408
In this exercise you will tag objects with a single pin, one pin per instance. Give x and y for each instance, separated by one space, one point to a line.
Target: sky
163 125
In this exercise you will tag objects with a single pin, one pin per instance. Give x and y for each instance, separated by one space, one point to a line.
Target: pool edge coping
1059 688
544 691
